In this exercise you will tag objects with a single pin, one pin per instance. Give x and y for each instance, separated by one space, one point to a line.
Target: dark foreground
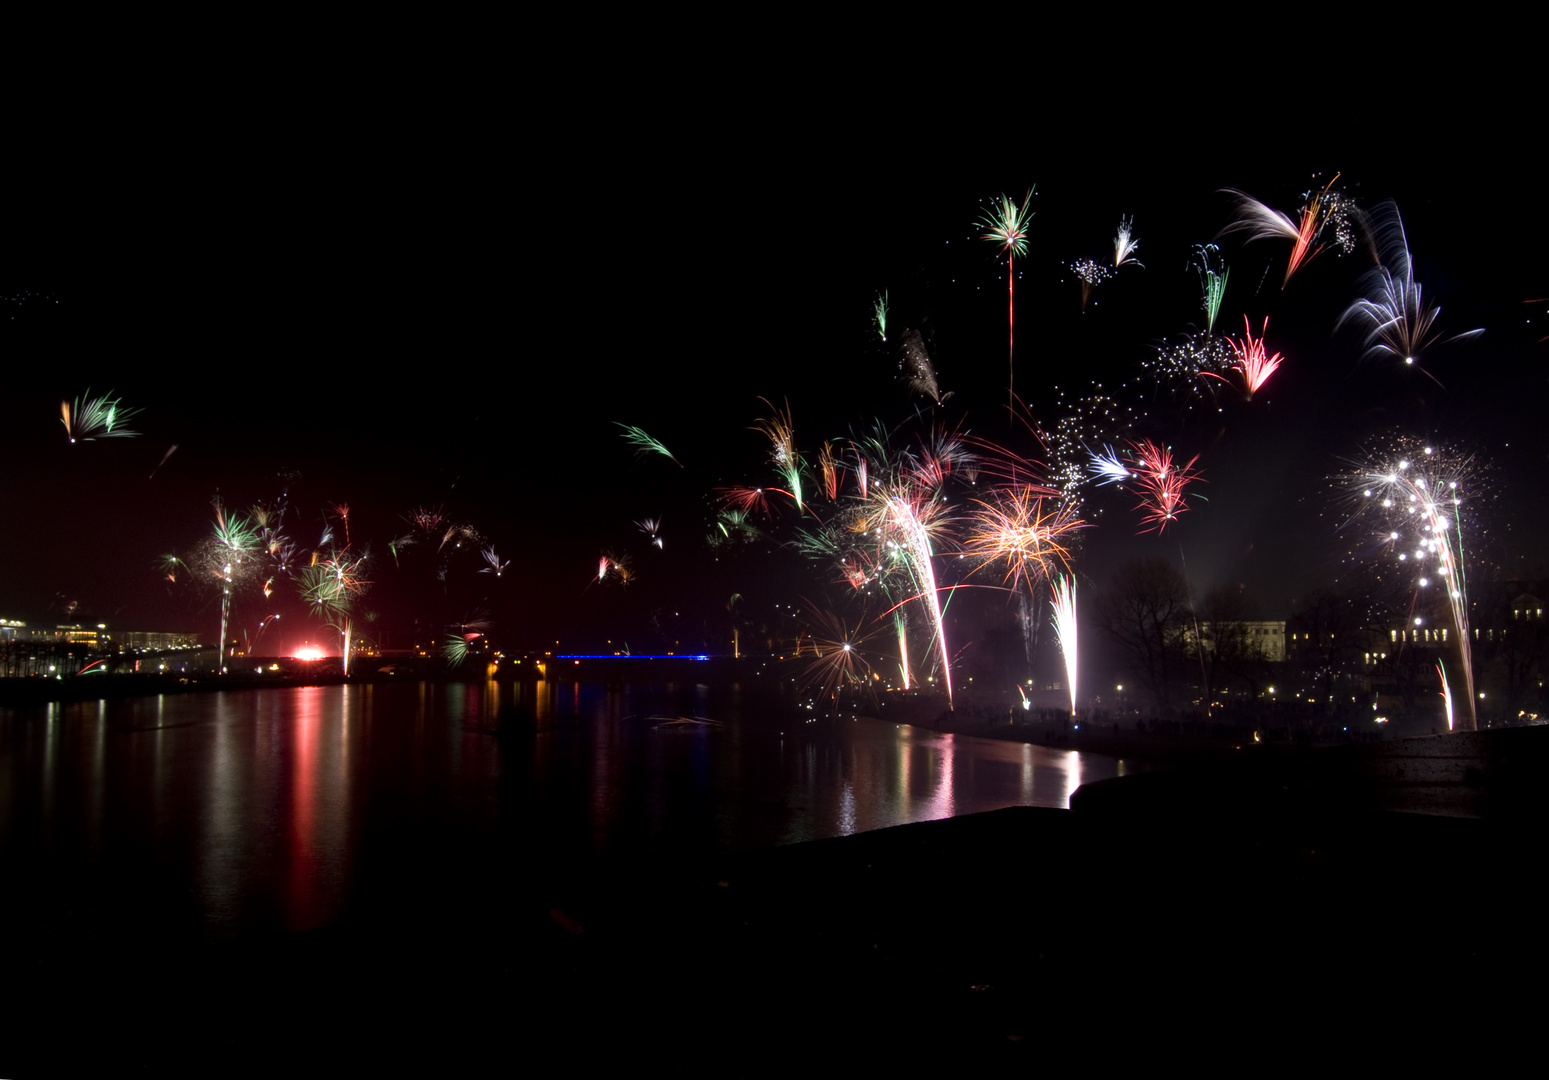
1231 918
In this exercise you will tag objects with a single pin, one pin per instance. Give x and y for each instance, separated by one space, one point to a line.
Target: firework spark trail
829 469
901 628
916 544
170 451
1417 494
1397 319
1125 244
1446 692
1161 483
879 314
1064 608
1007 225
97 418
645 444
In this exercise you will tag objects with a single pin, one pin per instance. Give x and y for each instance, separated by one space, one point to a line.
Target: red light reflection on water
301 879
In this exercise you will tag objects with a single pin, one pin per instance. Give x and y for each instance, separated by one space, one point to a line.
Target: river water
218 816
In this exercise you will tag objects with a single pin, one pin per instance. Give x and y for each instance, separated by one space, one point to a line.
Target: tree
1145 610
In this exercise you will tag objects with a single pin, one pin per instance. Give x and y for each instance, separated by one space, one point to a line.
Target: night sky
396 315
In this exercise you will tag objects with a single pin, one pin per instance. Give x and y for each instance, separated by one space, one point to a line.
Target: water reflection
291 808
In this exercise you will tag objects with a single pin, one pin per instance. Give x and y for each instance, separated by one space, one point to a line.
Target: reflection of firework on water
1161 483
1415 493
1254 363
918 373
1006 225
1024 530
1322 211
1179 364
652 527
1091 274
1397 320
1125 243
645 444
1064 607
879 314
97 418
782 434
1212 279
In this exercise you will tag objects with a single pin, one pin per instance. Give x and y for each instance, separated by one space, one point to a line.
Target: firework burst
1161 483
1325 210
782 434
645 444
95 418
1091 274
1254 363
1183 368
1006 225
917 371
651 527
1125 244
838 663
493 563
1023 530
1398 321
1212 280
1415 493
